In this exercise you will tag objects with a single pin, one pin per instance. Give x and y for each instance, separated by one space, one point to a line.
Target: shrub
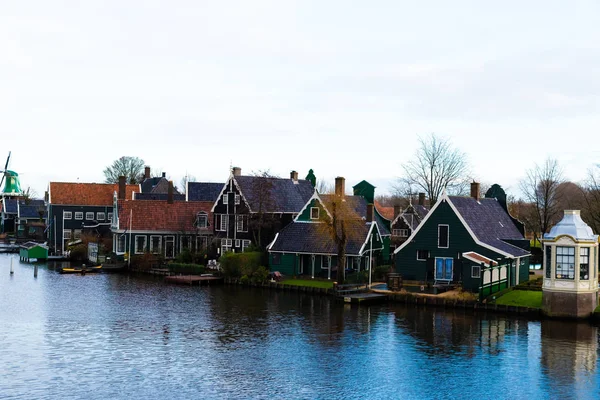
235 265
186 269
146 261
244 280
260 275
185 257
380 272
358 277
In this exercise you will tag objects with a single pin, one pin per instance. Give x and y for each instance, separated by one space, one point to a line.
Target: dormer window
201 220
314 213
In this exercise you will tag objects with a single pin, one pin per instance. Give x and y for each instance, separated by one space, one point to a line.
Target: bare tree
437 166
262 198
344 225
132 168
541 189
184 181
591 205
29 194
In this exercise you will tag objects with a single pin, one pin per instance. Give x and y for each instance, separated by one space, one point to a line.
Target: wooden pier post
12 271
35 270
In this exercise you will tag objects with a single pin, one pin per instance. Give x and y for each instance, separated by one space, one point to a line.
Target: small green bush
244 280
234 265
260 275
380 272
186 269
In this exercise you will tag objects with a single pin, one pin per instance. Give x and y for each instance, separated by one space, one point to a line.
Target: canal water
117 336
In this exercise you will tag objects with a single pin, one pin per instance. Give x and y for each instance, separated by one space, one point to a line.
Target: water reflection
102 336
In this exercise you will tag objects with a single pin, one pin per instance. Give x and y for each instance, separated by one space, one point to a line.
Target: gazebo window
584 263
565 262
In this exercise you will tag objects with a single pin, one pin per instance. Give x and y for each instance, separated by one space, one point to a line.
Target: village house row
472 240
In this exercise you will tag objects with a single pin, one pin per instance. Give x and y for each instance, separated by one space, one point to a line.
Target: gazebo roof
572 225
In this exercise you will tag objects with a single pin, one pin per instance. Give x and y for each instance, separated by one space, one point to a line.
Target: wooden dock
358 294
193 279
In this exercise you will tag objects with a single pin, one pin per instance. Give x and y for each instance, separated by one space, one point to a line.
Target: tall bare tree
436 166
132 168
541 189
591 207
344 225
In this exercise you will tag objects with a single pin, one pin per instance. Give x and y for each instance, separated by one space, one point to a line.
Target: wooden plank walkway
364 298
193 279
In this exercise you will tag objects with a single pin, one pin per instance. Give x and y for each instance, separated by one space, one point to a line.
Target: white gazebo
570 287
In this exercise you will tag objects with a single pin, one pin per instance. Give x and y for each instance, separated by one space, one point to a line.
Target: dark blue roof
284 195
204 191
359 204
10 206
490 223
306 237
158 196
31 211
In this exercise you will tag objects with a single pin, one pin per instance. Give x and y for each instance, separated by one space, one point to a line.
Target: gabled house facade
249 210
163 228
470 241
75 208
405 222
367 191
156 188
304 248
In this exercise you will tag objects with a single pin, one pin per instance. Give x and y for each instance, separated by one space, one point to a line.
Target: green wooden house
470 241
304 248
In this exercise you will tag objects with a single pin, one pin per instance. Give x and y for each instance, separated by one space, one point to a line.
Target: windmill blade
7 161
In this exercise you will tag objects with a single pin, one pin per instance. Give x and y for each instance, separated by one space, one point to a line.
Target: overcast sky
342 87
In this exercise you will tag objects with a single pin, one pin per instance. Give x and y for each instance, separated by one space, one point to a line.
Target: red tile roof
87 194
386 212
158 215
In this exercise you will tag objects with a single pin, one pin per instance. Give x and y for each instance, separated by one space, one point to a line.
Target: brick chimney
146 172
170 193
370 212
340 186
397 210
421 199
294 176
237 171
122 188
475 190
164 174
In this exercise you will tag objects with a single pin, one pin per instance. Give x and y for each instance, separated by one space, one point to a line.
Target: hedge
186 269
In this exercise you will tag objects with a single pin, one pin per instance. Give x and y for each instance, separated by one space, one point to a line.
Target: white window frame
224 222
152 249
67 215
170 238
447 237
204 216
311 212
121 240
66 234
245 244
181 238
100 216
422 259
237 199
475 268
226 245
135 247
237 243
89 216
403 232
240 219
201 242
225 198
110 216
79 215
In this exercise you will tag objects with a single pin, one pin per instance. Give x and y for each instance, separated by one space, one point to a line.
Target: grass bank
523 298
308 283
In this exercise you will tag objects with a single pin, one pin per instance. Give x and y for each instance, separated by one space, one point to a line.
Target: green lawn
309 283
523 298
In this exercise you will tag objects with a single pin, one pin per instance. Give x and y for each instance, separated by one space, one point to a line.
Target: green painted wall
305 215
366 190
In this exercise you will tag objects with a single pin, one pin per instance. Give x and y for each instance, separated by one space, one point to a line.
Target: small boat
113 267
80 270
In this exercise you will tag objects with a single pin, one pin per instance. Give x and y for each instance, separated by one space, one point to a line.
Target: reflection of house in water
569 357
451 332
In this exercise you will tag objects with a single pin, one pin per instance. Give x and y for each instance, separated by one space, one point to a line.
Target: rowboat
80 270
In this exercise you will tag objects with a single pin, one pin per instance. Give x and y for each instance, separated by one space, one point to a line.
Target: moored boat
80 270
